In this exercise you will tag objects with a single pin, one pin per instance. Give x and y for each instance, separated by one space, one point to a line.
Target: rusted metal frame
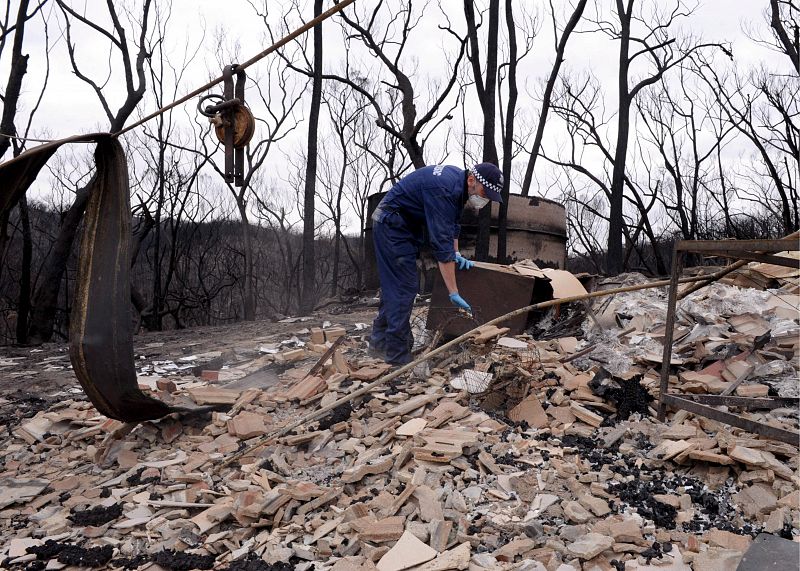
773 432
734 249
763 258
765 246
744 402
677 265
232 101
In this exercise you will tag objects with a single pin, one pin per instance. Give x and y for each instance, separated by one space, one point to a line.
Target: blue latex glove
462 263
459 301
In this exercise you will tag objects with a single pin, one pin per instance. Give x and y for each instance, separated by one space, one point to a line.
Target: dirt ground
31 378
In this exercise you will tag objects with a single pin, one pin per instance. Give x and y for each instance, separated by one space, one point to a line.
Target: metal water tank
536 230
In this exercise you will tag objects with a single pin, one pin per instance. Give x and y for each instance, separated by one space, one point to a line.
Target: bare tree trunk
338 236
19 66
158 300
249 294
335 271
789 43
309 266
415 152
3 237
614 255
486 89
45 300
24 306
508 135
726 211
548 93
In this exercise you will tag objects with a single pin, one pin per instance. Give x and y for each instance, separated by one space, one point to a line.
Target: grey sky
69 106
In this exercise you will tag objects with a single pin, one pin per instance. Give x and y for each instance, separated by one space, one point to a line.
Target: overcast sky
69 105
713 20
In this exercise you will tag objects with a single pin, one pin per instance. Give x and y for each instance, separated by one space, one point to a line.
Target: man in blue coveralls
431 197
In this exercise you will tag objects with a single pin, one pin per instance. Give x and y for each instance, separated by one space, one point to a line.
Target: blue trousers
396 253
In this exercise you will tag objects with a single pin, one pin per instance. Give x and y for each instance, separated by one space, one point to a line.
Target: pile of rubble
509 453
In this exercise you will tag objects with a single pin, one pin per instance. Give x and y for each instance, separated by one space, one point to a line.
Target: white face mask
476 202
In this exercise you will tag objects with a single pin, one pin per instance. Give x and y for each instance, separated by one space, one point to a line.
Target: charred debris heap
509 452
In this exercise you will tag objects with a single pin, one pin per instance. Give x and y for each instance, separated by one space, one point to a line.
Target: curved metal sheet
101 337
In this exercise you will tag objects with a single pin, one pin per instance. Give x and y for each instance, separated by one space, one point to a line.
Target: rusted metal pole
677 264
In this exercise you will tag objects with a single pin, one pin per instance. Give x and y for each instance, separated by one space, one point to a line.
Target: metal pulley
233 121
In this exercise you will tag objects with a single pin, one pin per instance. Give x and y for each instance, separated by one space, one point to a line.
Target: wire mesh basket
498 375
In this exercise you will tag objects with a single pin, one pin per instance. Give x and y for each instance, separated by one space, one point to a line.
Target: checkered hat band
483 181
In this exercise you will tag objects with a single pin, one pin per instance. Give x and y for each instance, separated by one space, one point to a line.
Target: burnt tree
485 87
654 42
561 47
45 300
309 268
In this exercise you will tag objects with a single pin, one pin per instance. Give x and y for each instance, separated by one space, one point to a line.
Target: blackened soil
510 460
135 479
179 561
337 415
628 396
393 387
254 563
86 557
68 554
96 516
640 495
653 552
131 562
48 550
582 443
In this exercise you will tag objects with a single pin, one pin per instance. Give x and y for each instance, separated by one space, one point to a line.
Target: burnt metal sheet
18 174
745 402
101 336
492 290
679 401
771 553
780 245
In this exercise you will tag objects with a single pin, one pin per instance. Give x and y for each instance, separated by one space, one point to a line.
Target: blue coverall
431 197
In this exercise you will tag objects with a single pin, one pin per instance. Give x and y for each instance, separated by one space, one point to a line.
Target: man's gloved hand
462 263
459 301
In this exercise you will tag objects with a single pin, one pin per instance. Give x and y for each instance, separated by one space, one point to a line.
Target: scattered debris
514 452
